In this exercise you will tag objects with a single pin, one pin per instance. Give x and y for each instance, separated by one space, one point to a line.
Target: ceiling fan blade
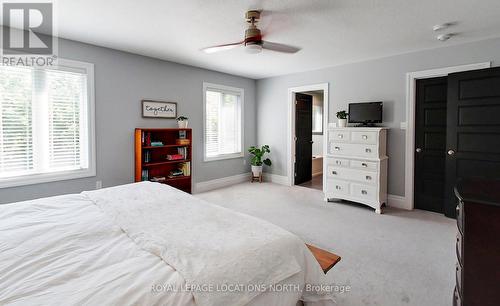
219 48
279 47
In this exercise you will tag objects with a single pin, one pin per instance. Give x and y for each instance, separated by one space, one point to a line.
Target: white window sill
45 178
224 156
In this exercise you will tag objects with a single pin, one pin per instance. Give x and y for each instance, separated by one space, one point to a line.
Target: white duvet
69 250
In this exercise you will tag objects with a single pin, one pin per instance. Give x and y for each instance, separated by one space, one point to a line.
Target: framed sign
159 109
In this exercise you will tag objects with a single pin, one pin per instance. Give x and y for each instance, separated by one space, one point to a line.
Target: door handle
451 152
311 141
418 150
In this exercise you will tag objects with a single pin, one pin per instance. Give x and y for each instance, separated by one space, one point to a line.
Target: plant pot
182 124
342 122
256 170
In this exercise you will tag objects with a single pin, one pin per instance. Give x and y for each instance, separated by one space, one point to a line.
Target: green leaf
267 161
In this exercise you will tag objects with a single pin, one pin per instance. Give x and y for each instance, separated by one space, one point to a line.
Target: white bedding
65 250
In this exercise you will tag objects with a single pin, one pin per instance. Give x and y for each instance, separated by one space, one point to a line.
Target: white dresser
355 168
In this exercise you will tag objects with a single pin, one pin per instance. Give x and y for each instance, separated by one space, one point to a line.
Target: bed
150 244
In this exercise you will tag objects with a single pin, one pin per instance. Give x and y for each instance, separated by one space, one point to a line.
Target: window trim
32 179
241 92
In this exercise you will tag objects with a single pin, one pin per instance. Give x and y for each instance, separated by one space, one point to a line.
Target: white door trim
411 79
291 125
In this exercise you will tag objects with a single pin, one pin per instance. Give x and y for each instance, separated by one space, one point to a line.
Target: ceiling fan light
253 48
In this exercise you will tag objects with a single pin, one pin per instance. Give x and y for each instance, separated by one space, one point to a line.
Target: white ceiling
329 32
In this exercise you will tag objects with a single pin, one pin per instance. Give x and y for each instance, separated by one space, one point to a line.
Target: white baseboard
277 179
221 182
397 202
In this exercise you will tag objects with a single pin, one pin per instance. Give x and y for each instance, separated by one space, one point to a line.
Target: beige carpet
397 258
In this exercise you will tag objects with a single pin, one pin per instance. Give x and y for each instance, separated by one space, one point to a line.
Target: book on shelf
146 138
186 168
175 157
182 142
182 151
147 156
156 143
145 175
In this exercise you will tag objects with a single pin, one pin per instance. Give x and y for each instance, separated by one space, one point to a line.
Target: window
317 122
223 116
46 123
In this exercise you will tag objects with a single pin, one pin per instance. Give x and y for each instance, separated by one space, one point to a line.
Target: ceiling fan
253 41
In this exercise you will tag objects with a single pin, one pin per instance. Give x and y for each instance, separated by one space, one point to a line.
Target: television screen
365 113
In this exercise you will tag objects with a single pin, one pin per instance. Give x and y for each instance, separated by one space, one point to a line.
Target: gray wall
374 80
121 81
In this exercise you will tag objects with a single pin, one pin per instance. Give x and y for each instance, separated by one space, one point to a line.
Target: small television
365 114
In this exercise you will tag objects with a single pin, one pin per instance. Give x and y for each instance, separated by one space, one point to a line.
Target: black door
430 143
473 128
303 134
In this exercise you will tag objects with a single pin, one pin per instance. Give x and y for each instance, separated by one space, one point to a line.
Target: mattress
65 250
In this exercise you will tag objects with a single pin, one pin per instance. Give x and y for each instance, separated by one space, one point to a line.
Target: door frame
291 126
411 79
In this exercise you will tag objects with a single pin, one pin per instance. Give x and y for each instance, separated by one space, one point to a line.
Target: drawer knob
364 165
364 137
334 172
368 177
341 136
367 150
337 187
364 192
337 148
337 162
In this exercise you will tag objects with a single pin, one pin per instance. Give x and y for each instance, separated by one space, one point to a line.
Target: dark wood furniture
151 161
325 259
478 243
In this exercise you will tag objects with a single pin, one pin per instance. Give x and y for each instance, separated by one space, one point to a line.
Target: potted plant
256 161
342 117
182 122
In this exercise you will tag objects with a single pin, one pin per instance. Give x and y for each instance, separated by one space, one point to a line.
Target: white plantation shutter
44 124
223 121
65 98
16 142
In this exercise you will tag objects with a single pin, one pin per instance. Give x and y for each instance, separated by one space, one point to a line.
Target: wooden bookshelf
151 160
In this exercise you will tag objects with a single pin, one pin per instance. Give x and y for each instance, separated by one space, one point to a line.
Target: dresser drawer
352 175
339 136
365 165
353 149
337 187
339 162
364 137
363 191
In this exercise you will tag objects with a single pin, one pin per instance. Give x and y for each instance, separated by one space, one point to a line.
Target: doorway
457 135
309 139
308 119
